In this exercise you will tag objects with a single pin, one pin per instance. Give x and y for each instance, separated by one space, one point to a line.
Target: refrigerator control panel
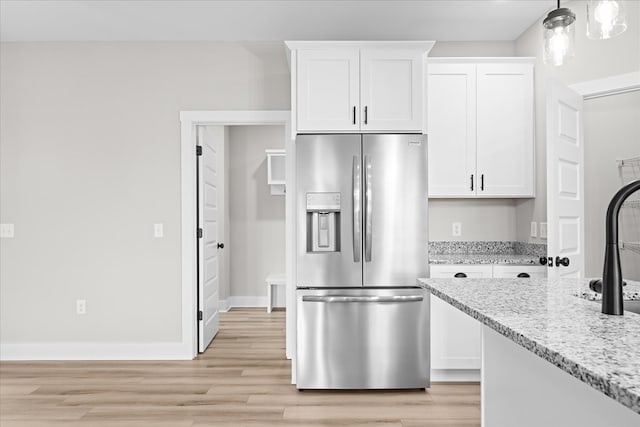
323 202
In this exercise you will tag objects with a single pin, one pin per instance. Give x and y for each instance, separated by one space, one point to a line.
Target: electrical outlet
534 229
456 229
158 230
543 230
81 306
7 231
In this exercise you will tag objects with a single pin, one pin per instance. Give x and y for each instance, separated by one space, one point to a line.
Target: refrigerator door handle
357 190
349 298
368 207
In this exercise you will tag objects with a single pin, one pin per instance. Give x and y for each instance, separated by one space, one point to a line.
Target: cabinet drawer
514 271
449 271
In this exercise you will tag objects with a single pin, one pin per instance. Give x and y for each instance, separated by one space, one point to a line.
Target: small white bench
273 279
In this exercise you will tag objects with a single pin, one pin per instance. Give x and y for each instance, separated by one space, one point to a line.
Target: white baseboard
455 375
248 301
94 351
223 305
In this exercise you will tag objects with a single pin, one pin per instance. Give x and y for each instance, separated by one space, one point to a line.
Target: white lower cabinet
456 339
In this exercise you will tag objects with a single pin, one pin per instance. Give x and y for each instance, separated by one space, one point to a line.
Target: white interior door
565 180
208 211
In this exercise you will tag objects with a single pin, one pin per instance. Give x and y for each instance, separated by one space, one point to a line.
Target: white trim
94 351
248 302
455 375
188 122
480 59
621 83
223 305
423 45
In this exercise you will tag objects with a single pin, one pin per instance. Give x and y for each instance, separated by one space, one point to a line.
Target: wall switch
6 231
543 230
158 230
534 229
81 306
456 229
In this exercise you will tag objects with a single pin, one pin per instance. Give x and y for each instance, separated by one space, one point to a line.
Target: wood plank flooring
243 379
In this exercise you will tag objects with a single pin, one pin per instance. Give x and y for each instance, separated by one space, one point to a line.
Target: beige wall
89 160
594 59
257 245
612 131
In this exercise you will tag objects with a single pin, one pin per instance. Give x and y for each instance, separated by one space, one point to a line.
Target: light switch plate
534 229
7 231
81 306
158 230
543 230
456 229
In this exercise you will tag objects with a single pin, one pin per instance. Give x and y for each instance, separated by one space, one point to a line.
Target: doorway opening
228 203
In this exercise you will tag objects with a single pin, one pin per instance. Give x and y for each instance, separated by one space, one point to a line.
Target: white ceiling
268 20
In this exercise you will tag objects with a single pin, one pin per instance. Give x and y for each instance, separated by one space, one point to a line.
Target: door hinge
200 233
198 150
199 314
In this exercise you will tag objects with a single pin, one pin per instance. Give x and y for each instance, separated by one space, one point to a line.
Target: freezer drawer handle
348 298
355 182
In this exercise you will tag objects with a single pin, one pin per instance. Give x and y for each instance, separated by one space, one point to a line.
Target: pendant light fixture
559 36
605 19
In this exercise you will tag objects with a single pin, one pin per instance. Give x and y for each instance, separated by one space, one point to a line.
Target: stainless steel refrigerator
361 210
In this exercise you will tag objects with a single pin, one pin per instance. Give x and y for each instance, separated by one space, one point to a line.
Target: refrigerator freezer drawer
362 338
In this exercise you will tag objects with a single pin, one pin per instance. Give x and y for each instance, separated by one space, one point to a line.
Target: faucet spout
612 273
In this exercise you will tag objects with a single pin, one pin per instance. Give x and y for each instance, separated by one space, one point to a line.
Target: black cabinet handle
366 114
220 245
562 261
354 114
459 275
523 275
482 182
471 182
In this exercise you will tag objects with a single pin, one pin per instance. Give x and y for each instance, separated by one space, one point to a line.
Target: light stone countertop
508 259
547 318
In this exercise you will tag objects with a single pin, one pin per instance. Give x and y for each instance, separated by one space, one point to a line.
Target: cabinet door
456 338
328 90
513 271
451 108
505 147
391 90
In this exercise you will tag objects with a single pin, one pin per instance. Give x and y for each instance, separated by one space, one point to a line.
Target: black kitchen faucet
612 274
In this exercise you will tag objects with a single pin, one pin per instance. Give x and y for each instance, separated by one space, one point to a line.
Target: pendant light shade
605 18
559 36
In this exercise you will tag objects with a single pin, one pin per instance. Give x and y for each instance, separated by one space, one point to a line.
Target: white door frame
188 225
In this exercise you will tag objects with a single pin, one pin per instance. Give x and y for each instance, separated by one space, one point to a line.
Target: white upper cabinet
358 86
451 112
328 89
505 146
481 128
391 90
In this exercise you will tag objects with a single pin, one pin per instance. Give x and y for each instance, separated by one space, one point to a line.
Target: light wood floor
242 380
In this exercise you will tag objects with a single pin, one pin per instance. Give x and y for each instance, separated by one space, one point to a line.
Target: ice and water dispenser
323 222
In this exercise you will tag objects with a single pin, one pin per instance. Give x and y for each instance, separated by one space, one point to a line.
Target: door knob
220 245
543 260
562 261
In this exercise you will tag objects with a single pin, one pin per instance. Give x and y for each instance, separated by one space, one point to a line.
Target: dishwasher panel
362 338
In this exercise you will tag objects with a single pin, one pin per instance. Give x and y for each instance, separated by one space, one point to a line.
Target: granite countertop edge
469 259
604 385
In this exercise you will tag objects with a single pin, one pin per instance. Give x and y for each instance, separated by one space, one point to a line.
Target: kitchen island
550 357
